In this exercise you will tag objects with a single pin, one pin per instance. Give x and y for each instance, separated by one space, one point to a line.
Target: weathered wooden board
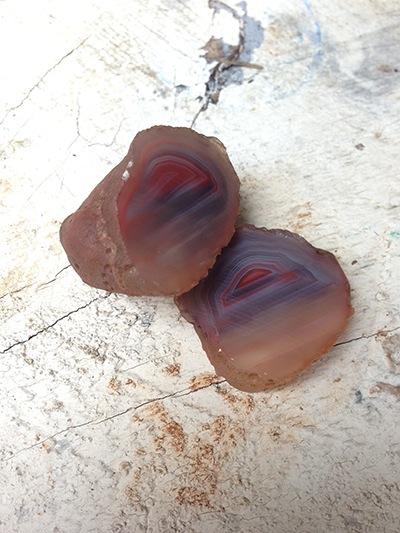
111 416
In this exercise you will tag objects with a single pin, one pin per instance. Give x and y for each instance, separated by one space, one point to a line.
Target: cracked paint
42 78
49 326
111 417
40 442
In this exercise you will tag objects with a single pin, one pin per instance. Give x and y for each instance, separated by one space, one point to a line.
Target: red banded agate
271 305
157 221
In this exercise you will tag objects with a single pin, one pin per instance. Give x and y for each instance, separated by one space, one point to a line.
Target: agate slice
157 221
271 305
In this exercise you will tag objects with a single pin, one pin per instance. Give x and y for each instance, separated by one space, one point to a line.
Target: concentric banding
270 306
179 191
177 207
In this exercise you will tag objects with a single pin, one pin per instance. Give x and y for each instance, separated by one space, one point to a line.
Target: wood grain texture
111 419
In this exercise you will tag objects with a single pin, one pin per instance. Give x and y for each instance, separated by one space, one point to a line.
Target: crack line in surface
177 394
15 291
2 352
43 285
379 332
41 79
87 141
40 286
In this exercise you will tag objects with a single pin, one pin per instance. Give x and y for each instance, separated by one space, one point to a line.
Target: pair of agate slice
265 303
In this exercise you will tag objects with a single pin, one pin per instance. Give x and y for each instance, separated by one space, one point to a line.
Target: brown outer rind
99 219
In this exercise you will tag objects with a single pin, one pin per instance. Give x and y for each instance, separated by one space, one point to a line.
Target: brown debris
203 380
114 384
168 432
238 401
172 370
201 456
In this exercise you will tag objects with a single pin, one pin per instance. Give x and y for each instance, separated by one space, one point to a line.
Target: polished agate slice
271 305
156 223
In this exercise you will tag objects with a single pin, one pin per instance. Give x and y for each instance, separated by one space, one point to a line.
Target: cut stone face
157 221
271 305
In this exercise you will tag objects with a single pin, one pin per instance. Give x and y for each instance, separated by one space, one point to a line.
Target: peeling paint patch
230 58
394 390
391 347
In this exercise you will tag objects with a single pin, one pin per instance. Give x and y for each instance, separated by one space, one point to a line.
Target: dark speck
360 146
358 395
180 88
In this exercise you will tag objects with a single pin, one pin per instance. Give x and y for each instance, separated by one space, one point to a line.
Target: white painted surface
111 419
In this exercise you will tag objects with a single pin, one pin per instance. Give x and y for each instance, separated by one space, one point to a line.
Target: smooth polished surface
271 305
156 223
